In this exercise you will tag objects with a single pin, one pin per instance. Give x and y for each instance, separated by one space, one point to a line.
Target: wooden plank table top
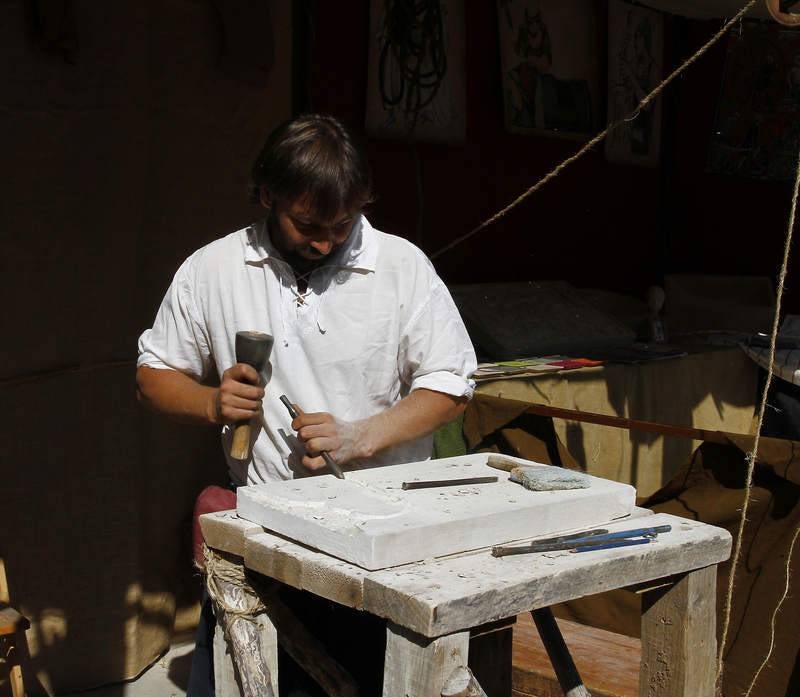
436 609
449 594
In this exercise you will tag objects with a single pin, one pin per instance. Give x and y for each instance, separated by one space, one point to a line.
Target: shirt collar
360 252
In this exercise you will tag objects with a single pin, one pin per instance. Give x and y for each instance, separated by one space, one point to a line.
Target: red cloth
211 499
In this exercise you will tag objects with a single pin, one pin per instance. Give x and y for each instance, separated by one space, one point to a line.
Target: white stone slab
369 520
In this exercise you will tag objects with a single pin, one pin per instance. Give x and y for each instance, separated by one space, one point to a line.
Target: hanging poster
635 67
415 85
757 129
549 59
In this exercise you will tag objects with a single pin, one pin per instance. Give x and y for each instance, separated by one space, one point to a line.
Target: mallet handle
254 349
240 447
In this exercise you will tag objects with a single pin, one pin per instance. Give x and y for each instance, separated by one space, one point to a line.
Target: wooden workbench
432 608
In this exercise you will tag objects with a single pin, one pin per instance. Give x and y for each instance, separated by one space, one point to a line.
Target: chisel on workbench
586 541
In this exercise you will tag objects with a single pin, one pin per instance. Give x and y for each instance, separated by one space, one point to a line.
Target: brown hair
314 155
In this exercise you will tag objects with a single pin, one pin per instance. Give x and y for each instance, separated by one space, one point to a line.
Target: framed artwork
757 128
415 85
549 59
635 68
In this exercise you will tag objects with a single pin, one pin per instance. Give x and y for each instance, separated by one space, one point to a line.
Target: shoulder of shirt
395 249
220 253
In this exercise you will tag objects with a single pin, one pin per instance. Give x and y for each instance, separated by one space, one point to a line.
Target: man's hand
321 431
238 397
416 415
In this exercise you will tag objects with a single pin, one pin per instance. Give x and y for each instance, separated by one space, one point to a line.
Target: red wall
597 224
723 224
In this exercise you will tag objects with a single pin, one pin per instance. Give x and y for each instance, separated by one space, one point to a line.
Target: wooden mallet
252 348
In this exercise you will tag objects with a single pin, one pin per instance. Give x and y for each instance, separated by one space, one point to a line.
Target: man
367 341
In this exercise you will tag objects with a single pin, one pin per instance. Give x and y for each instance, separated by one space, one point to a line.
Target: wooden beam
679 640
417 666
631 424
260 636
12 621
490 656
462 683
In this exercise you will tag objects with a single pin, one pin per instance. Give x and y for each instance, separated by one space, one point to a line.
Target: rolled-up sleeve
435 351
178 339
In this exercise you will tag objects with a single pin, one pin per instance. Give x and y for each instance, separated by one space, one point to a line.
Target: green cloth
448 440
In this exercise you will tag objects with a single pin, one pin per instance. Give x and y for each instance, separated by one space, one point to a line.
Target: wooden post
416 666
490 656
462 683
307 651
225 680
253 650
679 641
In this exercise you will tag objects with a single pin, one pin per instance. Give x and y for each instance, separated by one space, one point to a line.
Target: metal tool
586 541
324 453
615 544
534 546
433 483
252 348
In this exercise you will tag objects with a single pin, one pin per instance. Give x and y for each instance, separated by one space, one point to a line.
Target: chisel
324 453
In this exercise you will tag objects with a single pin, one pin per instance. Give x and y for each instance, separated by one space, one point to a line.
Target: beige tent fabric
709 389
709 487
492 424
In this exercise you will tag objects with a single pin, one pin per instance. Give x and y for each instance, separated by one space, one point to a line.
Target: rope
600 136
775 614
219 569
751 457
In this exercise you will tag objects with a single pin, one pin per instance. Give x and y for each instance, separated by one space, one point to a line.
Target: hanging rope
751 456
775 613
600 136
218 570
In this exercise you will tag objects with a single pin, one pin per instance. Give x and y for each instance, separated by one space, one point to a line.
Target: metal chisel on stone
324 453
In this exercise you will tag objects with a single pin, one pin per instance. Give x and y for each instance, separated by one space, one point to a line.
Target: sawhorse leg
416 666
225 681
679 641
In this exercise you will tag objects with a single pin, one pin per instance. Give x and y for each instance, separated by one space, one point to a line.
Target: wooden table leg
490 656
679 641
263 633
416 666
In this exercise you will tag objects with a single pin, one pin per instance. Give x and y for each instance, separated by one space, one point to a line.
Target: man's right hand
238 397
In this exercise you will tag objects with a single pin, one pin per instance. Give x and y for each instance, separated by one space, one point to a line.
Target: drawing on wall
550 67
757 129
635 66
415 86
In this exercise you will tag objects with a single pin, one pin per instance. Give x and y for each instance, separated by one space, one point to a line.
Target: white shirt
375 323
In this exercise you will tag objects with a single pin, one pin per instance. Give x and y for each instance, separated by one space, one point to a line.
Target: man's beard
300 264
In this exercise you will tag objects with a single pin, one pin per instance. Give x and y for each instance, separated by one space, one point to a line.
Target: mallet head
253 348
